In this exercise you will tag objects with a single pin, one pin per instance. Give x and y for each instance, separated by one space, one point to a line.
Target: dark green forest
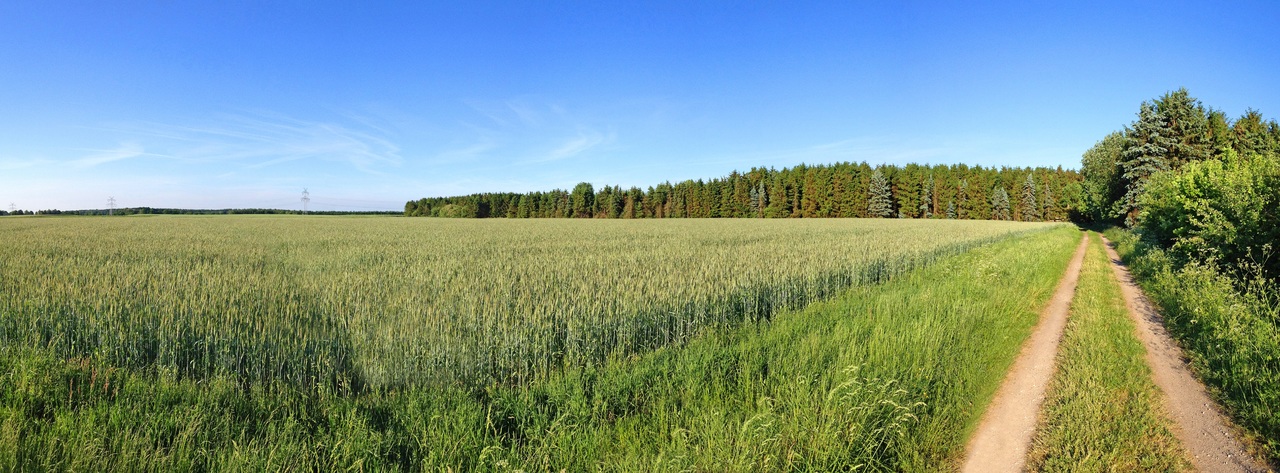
803 191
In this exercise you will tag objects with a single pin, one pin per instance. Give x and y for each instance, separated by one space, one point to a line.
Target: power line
12 207
111 205
306 199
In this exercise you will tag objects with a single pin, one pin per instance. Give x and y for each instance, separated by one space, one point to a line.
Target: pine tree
962 194
951 209
879 197
1030 212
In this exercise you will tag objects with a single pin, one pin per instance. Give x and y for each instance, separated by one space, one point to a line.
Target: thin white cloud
262 140
14 164
527 114
586 140
124 151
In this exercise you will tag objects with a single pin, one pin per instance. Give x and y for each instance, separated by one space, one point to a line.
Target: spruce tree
879 196
1000 204
951 209
1188 123
1029 211
1146 155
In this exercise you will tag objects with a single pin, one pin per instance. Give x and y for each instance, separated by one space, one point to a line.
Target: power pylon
306 199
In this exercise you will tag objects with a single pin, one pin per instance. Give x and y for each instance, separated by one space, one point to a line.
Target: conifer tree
1000 204
1048 206
879 197
926 198
1146 155
1030 212
951 209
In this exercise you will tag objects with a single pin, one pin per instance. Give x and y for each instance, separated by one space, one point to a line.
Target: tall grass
1103 412
1229 329
879 377
356 302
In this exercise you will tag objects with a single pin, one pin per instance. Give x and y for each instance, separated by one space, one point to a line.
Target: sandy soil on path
1003 436
1199 424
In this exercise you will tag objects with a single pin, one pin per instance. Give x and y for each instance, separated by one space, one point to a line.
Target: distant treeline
162 211
804 191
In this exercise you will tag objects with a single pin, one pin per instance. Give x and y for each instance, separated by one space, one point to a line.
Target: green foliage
583 198
1224 211
1102 411
842 190
1102 187
1030 209
880 200
1000 204
926 199
1146 155
1230 331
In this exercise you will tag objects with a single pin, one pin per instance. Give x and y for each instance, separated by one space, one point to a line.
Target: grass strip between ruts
1102 411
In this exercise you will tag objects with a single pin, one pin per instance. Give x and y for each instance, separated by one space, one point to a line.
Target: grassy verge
889 377
1230 331
1103 411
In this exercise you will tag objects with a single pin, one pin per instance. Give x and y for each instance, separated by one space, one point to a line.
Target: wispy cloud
582 142
13 164
255 141
125 151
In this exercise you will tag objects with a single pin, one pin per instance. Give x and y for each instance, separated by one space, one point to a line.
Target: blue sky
370 104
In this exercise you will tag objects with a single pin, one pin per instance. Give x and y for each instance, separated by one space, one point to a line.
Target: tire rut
1004 434
1198 421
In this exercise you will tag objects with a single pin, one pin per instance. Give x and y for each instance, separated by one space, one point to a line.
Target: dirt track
1199 425
1003 436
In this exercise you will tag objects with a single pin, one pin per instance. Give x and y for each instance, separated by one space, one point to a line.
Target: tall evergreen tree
1147 154
1000 204
879 197
1030 211
951 209
1188 124
1049 207
926 198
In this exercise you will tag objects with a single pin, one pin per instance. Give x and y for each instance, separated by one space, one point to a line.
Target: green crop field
390 302
185 342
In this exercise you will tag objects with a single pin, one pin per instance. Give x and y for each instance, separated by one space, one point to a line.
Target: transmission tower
306 199
111 205
12 208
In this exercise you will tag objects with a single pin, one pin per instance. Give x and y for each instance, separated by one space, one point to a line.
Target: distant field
389 302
